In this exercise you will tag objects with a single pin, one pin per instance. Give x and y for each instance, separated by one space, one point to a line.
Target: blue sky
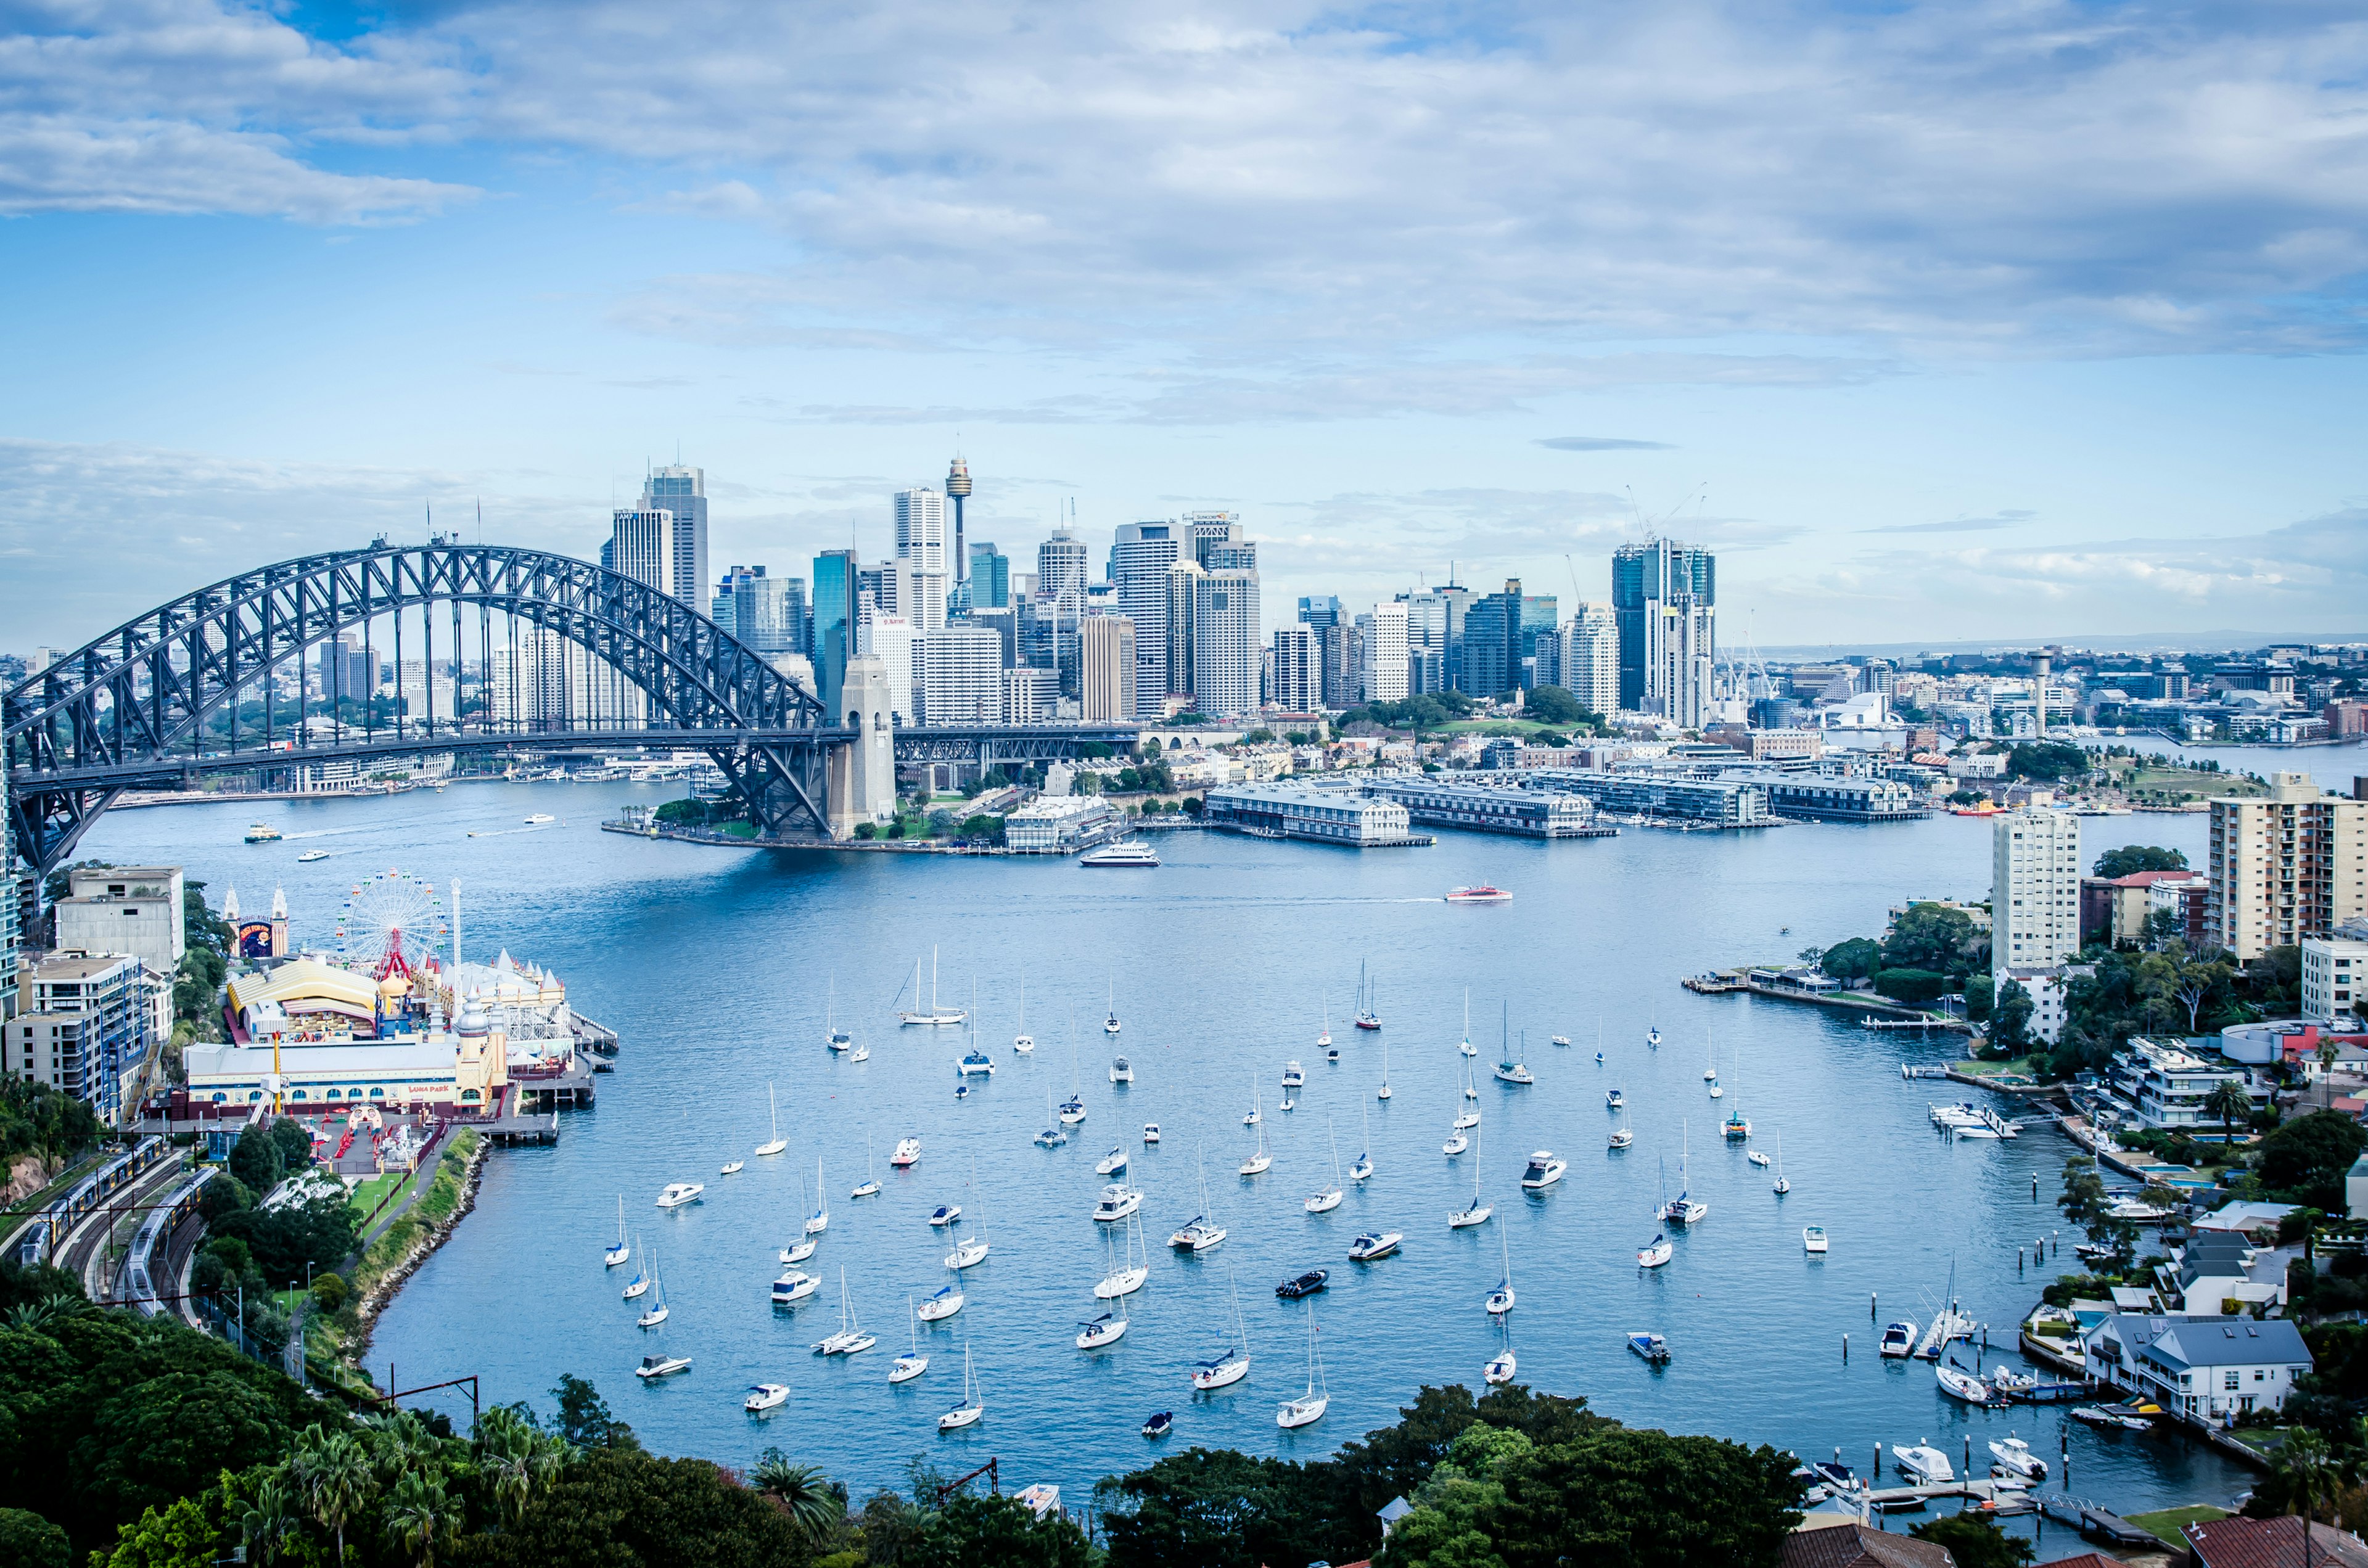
1974 320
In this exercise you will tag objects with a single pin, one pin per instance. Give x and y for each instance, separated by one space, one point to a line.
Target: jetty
1792 983
2092 1520
1993 1496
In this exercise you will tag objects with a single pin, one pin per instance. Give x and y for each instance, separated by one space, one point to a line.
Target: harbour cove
717 967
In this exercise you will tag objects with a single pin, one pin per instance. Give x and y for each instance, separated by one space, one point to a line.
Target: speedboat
1514 1073
1118 1201
961 1090
734 1167
1292 1078
1481 894
2097 1416
1073 1111
1455 1146
1128 854
1500 1368
1162 1422
1756 1157
1614 1100
1559 1040
1151 1133
798 1251
1651 1347
907 1154
539 818
937 1307
1373 1246
1306 1284
1229 1366
1199 1235
1121 1071
765 1397
978 1060
1924 1464
1655 1253
678 1193
1545 1170
2015 1455
1622 1138
310 855
661 1367
1958 1384
793 1286
1111 1162
1835 1475
945 1213
1898 1339
1094 1332
1331 1054
1813 1238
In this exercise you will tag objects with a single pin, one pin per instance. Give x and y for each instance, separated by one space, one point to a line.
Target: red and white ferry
1483 894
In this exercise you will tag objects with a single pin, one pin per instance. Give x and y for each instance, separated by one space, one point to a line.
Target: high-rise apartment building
1139 560
1681 660
638 548
1225 642
1296 684
1590 658
1061 566
2034 889
1662 570
921 552
1344 663
889 639
1384 675
2285 865
1106 667
958 676
836 614
681 494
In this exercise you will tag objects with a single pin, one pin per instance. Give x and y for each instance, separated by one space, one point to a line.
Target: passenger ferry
262 832
1132 855
1483 894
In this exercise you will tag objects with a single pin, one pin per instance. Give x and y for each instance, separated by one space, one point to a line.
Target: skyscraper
1590 658
958 488
1061 566
1298 682
921 549
1106 667
989 577
836 614
1491 665
1183 579
958 676
1140 557
637 547
681 492
1679 660
1662 570
1207 531
1319 613
1384 675
2034 889
1344 663
1225 642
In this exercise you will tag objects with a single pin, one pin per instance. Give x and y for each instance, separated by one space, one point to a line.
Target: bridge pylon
862 773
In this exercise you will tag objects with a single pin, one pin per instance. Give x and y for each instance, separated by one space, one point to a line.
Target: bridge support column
864 772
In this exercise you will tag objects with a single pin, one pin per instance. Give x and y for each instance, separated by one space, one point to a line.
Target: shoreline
381 1294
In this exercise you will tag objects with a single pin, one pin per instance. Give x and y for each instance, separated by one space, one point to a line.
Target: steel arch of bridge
134 708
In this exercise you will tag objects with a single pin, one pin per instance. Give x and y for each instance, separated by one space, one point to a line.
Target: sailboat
1501 1300
1502 1365
1232 1364
1384 1091
1309 1407
1685 1210
1478 1214
1783 1183
870 1185
618 1252
974 1404
850 1338
935 1015
1467 1047
1710 1068
657 1312
1110 1024
1199 1232
1324 1040
1072 1109
1510 1071
819 1220
1369 1015
1362 1166
775 1145
1109 1328
1467 1114
1653 1034
834 1036
1330 1199
1655 1253
1023 1042
970 1253
1127 1277
975 1060
941 1303
1260 1161
804 1247
1055 1135
1621 1136
911 1364
1737 1125
640 1282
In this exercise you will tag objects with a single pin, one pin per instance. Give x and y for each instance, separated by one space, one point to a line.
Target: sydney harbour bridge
194 688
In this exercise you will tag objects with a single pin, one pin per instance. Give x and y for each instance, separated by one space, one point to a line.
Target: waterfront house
2208 1369
2220 1271
2240 1542
1847 1543
2158 1083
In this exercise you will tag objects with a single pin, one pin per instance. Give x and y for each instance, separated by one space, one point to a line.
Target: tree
2132 859
2231 1104
255 1160
584 1418
814 1504
266 1520
622 1508
2307 1156
1556 705
1936 937
1975 1542
332 1474
1643 1499
169 1436
294 1141
2011 1018
2047 761
1218 1508
2083 1199
1854 960
420 1517
972 1531
2305 1463
30 1540
1913 986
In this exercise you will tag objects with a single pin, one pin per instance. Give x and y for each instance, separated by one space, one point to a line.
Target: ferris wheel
392 922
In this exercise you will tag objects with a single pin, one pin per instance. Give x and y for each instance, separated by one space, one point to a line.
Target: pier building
1057 823
1483 807
1299 810
1719 803
1847 800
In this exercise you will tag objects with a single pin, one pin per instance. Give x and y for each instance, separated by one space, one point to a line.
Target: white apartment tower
921 550
2285 865
1385 653
2035 890
889 639
637 546
1680 651
958 676
1590 658
1106 667
1298 683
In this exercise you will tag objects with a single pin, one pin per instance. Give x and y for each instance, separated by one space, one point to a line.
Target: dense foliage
1556 705
2131 859
2304 1159
38 1119
2047 761
1426 711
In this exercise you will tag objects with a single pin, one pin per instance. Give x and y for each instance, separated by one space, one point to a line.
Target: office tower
682 492
1679 660
1544 664
11 918
1344 665
1140 557
2285 865
768 614
1239 555
1296 683
1429 645
1662 570
345 672
958 676
1106 667
637 547
1539 618
1004 624
1385 653
1225 642
2035 890
1028 696
1061 566
1491 664
889 639
957 490
838 612
1183 578
1207 531
1590 658
1319 613
921 553
989 577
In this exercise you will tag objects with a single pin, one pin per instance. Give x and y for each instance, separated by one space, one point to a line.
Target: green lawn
366 1195
2185 783
2166 1522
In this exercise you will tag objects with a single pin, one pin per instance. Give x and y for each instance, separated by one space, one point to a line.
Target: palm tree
804 1493
268 1519
2228 1101
2305 1462
2326 1054
39 1316
333 1475
420 1515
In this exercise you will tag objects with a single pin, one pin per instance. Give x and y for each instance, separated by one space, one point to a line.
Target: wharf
1721 981
2092 1520
1999 1499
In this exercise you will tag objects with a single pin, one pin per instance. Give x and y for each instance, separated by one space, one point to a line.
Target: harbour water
714 966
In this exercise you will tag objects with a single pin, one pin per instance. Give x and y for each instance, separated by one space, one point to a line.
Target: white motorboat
616 1251
734 1167
1111 1162
1094 1332
1653 1347
1923 1464
911 1364
945 1213
1501 1300
1756 1157
1898 1340
1614 1100
2013 1454
539 818
933 1016
1545 1170
765 1397
1121 1071
1327 1200
1309 1407
1292 1078
1127 1277
941 1304
907 1154
1151 1133
974 1061
1232 1364
798 1251
1813 1238
653 1367
1455 1144
1562 1040
1958 1384
974 1404
1375 1246
1127 854
678 1193
310 855
1118 1201
793 1286
775 1144
1655 1253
